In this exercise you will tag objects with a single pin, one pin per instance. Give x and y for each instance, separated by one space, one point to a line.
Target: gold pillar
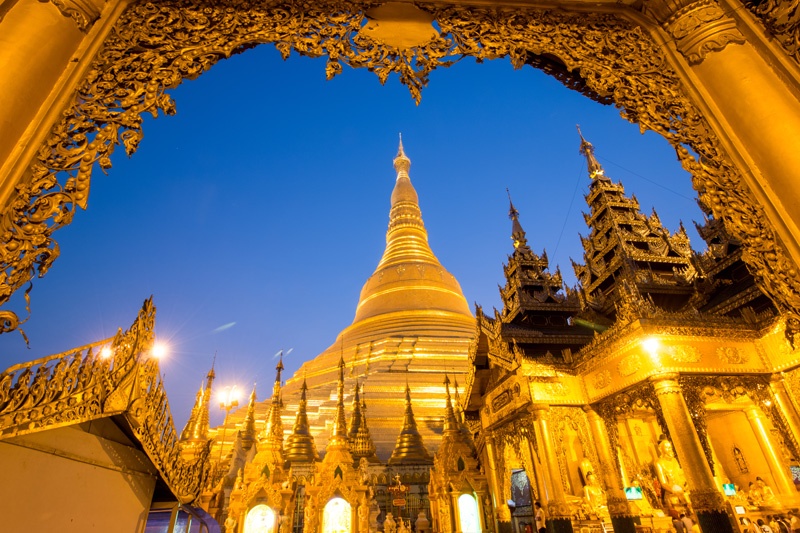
780 472
785 405
726 71
617 502
702 488
557 507
536 469
502 513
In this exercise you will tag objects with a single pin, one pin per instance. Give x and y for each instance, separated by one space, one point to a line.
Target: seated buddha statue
670 474
594 494
768 498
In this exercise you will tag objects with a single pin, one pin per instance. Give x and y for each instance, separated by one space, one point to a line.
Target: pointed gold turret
195 434
300 446
272 437
595 170
339 432
451 423
361 444
409 450
249 429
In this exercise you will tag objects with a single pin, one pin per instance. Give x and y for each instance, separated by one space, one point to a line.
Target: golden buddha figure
594 494
768 498
670 474
754 495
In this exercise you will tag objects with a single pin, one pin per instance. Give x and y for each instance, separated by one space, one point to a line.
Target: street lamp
229 399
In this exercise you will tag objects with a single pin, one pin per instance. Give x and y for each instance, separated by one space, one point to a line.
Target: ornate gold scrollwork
83 12
155 46
112 377
782 19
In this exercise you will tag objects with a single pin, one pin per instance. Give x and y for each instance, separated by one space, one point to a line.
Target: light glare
106 352
159 350
651 346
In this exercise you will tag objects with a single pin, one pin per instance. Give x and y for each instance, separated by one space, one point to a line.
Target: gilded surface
782 19
113 377
156 46
566 420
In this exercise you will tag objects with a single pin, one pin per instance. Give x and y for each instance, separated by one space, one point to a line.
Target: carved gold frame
611 53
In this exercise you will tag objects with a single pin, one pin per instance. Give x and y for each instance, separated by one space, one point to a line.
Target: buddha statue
594 494
768 498
669 473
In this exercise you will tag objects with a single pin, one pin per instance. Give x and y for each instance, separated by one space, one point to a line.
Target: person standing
540 519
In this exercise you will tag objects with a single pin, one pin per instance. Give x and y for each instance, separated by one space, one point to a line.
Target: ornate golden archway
661 62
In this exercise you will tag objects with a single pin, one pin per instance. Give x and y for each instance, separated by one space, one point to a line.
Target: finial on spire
401 162
517 233
595 170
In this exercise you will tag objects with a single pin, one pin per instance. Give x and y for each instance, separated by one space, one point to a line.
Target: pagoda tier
629 258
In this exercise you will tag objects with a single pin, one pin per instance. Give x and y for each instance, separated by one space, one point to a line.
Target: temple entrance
337 516
468 514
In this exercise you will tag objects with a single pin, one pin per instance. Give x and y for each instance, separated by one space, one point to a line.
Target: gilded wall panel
561 390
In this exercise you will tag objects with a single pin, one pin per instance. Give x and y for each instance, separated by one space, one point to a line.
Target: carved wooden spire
300 446
409 448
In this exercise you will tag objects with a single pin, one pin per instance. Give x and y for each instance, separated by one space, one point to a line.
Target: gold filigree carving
782 20
684 354
155 46
732 355
708 501
629 365
112 377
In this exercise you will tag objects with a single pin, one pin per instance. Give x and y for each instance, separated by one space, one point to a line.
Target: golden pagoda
412 320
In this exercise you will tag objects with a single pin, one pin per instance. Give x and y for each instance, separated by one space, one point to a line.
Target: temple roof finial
401 162
517 233
595 170
249 430
339 431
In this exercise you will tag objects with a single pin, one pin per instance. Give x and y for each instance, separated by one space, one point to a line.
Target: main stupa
412 326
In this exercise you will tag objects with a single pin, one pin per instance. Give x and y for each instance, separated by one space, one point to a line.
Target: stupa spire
300 446
249 430
361 444
409 277
450 421
195 433
409 448
273 431
339 432
595 170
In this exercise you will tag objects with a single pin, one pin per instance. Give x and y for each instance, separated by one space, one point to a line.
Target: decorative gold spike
300 446
409 448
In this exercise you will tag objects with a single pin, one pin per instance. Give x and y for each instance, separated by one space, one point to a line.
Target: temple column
780 472
558 512
622 518
726 70
535 475
707 501
785 405
502 515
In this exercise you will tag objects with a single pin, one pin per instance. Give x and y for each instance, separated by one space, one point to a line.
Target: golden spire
249 431
409 277
300 446
361 444
595 170
196 428
339 432
409 448
272 437
517 233
450 422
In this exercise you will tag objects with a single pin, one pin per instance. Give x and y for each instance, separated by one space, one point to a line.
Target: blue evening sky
256 213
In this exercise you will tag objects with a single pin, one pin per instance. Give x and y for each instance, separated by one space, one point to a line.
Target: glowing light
336 518
106 352
260 519
159 350
468 511
228 398
651 346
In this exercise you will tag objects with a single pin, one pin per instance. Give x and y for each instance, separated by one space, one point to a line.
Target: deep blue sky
264 203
